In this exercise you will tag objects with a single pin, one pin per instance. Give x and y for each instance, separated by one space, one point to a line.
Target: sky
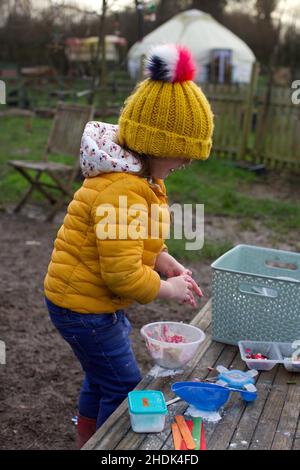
117 4
289 7
113 4
88 4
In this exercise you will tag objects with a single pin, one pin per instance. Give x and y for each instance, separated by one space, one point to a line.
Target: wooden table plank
225 359
296 443
268 421
233 410
287 426
289 418
248 422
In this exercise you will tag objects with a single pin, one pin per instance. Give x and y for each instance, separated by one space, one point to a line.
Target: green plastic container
256 295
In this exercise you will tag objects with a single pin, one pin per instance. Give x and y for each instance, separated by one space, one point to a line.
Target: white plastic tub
291 359
268 349
278 353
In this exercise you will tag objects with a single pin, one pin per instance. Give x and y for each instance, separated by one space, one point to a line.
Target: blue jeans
101 344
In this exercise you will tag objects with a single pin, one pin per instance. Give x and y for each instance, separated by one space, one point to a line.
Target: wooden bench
65 137
271 422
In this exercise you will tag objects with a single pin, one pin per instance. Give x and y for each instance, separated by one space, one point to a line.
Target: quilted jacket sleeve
120 258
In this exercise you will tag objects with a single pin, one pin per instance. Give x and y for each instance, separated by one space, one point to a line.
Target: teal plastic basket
256 295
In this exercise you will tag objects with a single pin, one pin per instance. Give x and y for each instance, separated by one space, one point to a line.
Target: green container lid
147 402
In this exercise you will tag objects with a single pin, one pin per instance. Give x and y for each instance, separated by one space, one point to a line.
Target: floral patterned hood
100 152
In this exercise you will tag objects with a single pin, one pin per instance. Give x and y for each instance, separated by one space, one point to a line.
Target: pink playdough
169 338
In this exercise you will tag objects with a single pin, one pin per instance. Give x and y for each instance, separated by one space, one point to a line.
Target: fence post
248 111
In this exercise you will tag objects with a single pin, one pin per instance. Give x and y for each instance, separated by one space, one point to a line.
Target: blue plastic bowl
205 396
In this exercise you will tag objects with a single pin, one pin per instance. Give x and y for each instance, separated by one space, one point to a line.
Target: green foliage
223 191
210 251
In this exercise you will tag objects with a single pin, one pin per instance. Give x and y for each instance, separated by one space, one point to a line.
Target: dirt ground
40 382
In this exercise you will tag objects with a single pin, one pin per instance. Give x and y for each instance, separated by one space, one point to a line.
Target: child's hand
195 287
168 266
177 269
180 288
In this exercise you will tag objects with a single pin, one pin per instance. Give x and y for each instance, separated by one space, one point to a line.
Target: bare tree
100 47
168 8
265 8
215 7
22 6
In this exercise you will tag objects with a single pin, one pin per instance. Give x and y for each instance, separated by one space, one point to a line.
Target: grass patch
217 185
18 143
210 251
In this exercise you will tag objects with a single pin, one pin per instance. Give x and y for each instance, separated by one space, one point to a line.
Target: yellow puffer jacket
88 274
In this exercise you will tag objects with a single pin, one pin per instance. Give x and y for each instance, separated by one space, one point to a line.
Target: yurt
220 55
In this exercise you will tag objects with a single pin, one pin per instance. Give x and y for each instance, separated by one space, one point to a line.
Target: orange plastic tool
190 426
185 432
176 436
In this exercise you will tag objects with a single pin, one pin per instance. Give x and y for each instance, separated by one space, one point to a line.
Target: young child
166 122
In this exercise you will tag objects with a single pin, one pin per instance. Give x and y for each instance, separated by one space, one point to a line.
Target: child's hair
145 171
145 163
146 160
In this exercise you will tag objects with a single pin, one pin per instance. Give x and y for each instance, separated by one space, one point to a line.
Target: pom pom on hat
170 63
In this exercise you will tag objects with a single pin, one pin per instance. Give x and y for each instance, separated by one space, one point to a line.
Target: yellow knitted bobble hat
168 115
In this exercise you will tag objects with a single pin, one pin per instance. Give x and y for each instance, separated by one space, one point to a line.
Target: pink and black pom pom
170 63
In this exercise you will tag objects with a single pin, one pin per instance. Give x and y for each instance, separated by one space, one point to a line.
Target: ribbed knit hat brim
154 142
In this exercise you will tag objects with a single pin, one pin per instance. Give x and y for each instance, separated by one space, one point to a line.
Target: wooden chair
65 137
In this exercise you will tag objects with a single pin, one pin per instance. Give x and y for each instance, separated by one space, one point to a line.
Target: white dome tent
206 38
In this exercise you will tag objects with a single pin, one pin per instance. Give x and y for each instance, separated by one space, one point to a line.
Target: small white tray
276 352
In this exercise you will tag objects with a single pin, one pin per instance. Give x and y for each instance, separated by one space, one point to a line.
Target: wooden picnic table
270 422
